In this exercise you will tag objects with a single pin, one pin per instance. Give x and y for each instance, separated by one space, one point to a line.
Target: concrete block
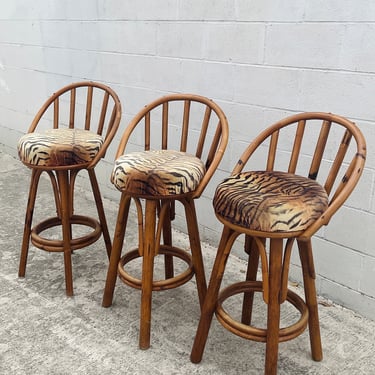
130 37
267 86
119 68
13 10
358 52
60 61
77 10
17 96
141 10
235 42
207 10
273 115
339 11
344 93
349 298
23 56
86 65
362 196
10 144
234 152
152 72
368 130
38 9
245 121
134 98
8 121
21 32
70 34
268 11
181 40
349 228
216 179
300 45
367 285
214 80
206 214
337 263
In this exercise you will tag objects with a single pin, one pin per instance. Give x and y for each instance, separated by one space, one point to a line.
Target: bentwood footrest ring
58 245
251 332
169 283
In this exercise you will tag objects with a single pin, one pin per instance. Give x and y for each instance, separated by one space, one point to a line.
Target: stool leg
307 262
209 305
251 275
100 208
273 313
63 180
118 240
196 250
35 175
167 239
147 273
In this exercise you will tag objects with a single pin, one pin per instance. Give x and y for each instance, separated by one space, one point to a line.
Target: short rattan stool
184 139
273 208
70 133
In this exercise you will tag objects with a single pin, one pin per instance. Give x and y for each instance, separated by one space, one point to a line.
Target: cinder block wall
260 60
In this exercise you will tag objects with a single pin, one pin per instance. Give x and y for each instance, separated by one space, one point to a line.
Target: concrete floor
44 332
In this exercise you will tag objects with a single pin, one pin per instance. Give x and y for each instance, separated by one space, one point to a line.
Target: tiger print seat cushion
157 173
59 147
270 201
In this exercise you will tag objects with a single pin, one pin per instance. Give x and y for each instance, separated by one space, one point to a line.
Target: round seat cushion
270 201
157 173
59 147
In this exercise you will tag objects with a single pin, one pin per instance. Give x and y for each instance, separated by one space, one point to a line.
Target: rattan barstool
185 137
274 208
70 133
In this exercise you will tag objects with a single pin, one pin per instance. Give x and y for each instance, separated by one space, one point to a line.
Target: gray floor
44 332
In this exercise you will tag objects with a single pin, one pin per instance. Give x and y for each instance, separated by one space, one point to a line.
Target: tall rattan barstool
70 133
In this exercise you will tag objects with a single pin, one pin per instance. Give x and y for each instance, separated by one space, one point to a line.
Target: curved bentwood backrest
82 105
183 122
322 146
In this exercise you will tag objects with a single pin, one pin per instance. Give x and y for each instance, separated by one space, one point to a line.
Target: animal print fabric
59 147
270 201
157 173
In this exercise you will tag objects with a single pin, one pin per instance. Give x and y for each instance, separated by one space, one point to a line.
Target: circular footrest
58 245
169 283
253 333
